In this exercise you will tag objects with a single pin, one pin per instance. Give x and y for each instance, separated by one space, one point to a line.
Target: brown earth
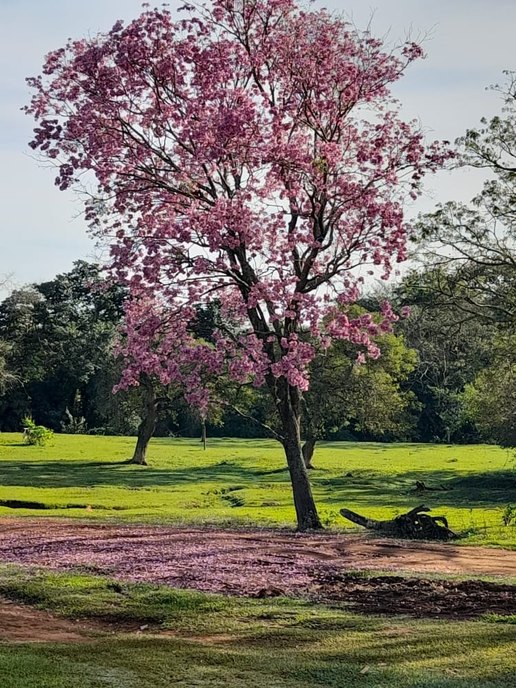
163 552
419 597
21 624
261 563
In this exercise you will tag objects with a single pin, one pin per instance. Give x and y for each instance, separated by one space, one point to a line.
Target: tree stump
414 525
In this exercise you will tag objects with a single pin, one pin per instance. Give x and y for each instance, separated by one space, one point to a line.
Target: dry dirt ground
20 623
264 563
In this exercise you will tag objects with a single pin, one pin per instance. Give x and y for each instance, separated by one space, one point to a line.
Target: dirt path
258 563
230 560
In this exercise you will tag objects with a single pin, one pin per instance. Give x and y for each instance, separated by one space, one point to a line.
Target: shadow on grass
93 473
280 659
367 487
469 490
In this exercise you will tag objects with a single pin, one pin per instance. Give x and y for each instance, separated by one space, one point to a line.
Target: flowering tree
250 153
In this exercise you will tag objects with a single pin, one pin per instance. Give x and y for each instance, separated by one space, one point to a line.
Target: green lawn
243 643
245 481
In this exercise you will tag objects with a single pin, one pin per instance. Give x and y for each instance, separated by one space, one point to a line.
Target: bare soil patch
23 624
265 563
420 597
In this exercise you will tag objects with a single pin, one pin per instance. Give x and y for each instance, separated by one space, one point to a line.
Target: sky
468 44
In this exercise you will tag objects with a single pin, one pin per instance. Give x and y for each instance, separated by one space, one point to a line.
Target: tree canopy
474 246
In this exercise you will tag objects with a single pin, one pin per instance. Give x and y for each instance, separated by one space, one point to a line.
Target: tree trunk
203 433
308 451
147 425
289 407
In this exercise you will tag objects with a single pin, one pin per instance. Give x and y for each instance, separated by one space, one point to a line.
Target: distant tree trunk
203 433
147 425
310 435
288 404
308 449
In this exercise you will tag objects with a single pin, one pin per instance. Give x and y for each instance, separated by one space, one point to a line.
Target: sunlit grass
245 482
194 639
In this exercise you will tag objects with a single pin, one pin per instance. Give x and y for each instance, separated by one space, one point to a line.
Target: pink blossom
232 163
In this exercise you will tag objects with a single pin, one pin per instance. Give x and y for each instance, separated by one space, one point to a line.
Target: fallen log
423 487
416 524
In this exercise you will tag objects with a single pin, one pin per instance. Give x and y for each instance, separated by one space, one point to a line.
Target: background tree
453 346
474 246
61 336
366 398
250 153
18 326
6 377
491 399
470 281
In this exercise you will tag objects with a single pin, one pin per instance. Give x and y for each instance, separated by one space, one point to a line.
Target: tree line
440 377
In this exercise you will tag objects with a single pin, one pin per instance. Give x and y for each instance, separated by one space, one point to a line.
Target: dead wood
423 487
416 524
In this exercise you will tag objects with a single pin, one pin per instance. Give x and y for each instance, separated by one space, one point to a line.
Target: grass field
237 643
197 640
245 481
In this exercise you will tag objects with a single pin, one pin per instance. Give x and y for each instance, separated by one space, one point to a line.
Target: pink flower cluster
248 153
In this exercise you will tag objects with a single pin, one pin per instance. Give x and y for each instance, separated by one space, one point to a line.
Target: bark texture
289 407
147 425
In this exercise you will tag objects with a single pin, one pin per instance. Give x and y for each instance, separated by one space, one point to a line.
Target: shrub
35 434
73 425
509 515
